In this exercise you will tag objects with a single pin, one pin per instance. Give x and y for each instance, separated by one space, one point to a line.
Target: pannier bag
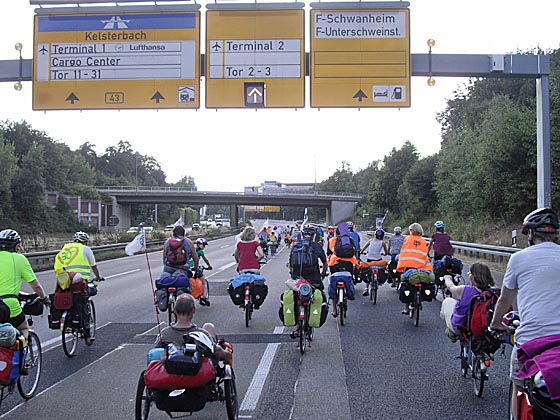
197 288
365 274
428 292
453 264
11 359
287 312
406 292
183 360
157 377
155 354
260 291
236 294
318 310
187 400
162 299
245 278
54 315
36 309
179 280
63 300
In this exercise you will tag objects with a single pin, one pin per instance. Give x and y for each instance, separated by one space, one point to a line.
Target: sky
228 149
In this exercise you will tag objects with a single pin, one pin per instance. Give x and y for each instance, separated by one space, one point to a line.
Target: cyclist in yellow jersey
77 257
14 268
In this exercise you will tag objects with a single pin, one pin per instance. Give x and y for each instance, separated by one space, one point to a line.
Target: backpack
482 311
344 246
177 251
301 258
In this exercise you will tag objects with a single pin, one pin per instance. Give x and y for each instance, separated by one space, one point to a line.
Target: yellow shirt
14 268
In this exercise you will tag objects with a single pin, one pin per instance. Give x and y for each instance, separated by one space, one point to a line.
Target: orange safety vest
414 254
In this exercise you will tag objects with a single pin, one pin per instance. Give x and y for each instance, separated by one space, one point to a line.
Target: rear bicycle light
171 289
340 285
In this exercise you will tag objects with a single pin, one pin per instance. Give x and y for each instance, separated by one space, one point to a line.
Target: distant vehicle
195 226
148 228
133 229
169 228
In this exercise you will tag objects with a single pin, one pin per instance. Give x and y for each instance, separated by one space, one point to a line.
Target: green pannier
288 308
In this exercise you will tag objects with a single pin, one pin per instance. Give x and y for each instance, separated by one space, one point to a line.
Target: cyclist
532 276
336 264
200 244
177 253
312 274
414 254
375 249
455 309
330 232
355 237
441 242
395 244
77 257
263 238
185 309
248 252
14 268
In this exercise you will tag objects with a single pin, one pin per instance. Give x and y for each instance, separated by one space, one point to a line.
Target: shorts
17 320
514 368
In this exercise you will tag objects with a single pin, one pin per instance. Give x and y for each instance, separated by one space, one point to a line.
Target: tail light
171 289
340 285
487 362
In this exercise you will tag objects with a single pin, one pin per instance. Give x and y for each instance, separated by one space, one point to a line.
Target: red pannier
156 377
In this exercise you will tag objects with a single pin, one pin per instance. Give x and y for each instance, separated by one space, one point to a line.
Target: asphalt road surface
377 366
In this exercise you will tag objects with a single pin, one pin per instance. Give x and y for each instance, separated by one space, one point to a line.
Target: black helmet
308 231
380 233
544 220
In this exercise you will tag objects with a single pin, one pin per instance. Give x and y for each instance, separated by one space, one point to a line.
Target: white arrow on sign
254 92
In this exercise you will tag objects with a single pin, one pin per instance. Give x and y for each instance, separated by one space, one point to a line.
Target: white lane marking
225 246
222 268
47 343
122 274
257 383
63 380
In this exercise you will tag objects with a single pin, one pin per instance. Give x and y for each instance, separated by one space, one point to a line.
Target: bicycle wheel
143 400
302 342
232 405
28 384
375 286
69 337
171 317
248 310
341 314
478 377
92 322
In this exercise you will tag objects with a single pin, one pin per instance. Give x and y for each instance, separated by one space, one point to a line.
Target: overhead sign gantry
255 55
117 59
360 54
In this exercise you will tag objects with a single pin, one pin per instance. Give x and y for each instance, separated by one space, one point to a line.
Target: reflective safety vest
72 259
414 254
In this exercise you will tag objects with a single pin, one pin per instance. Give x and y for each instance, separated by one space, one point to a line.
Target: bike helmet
350 225
544 220
379 233
81 237
9 237
439 224
397 229
330 229
201 241
308 231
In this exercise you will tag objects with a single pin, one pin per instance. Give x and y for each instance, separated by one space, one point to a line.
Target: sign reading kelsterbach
117 60
360 58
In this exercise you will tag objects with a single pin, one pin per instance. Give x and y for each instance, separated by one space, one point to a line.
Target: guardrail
491 252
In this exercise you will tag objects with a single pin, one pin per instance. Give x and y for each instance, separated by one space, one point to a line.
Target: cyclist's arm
96 271
365 247
260 253
385 248
502 307
456 291
430 244
37 288
207 262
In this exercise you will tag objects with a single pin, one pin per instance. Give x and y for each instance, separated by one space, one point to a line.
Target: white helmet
397 229
81 237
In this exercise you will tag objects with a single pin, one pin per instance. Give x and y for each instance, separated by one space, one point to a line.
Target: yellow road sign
359 57
255 58
130 60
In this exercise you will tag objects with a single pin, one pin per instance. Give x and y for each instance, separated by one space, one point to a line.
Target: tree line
483 175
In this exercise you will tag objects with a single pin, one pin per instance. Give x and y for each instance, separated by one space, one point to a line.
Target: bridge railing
158 189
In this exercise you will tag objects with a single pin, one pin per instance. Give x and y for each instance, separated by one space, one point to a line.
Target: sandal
334 315
405 312
365 292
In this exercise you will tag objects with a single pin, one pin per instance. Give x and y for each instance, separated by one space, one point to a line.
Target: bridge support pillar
122 211
234 218
341 210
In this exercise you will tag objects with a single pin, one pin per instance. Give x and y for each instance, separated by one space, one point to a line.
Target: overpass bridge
339 206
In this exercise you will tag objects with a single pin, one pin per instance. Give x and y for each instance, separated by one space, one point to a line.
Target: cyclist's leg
20 323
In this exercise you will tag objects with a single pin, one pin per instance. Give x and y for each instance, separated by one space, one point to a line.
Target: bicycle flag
138 244
179 222
305 218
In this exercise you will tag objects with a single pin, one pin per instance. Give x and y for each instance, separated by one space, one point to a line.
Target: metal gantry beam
440 65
